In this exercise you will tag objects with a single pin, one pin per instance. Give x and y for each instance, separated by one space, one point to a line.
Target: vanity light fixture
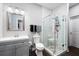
15 10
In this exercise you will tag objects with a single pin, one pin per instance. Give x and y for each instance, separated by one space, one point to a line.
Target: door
60 34
70 33
74 32
22 49
7 50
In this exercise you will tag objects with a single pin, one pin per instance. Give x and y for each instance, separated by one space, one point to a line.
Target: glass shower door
60 40
48 33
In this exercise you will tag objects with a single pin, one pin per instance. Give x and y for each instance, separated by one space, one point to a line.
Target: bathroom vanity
14 46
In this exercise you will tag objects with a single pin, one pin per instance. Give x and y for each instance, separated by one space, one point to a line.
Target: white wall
46 12
74 10
60 10
1 18
33 15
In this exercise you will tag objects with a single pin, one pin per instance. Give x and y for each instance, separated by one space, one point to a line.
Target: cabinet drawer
6 47
22 51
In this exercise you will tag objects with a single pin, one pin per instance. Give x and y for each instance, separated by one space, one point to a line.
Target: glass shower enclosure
53 34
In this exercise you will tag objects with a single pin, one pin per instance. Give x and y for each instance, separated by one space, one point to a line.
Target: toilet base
39 53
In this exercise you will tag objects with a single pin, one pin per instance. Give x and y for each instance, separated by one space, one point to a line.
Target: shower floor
51 48
54 51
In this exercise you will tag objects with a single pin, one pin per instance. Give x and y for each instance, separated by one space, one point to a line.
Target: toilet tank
36 38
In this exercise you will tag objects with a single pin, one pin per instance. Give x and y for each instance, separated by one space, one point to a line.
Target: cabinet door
7 50
22 49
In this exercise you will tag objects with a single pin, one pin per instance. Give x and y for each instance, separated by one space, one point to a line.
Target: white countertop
13 39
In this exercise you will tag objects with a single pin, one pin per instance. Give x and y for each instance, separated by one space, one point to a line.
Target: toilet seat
39 46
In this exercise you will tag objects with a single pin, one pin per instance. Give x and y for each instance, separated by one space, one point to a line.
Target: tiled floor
73 51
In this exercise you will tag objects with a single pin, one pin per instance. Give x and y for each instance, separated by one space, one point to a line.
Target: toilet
39 46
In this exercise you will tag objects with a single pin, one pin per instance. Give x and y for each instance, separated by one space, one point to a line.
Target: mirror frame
8 27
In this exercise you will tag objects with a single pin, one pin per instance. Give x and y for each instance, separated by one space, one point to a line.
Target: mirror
15 22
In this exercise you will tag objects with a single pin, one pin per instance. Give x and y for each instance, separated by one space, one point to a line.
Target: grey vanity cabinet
18 49
22 49
7 50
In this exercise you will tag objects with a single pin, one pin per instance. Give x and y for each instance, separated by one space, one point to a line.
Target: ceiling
50 5
47 5
72 4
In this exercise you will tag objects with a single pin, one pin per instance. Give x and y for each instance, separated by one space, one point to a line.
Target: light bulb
10 9
17 11
22 12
